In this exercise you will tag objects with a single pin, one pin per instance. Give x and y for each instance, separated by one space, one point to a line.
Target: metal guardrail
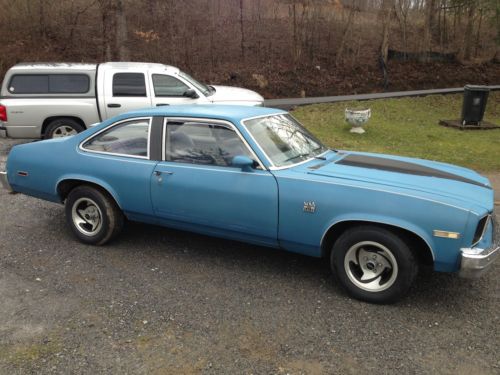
292 102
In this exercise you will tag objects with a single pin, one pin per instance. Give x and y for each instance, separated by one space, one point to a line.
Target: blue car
256 175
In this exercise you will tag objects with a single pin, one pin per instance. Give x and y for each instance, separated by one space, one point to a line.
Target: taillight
3 113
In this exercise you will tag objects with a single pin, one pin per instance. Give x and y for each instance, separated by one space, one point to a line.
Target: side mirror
190 93
244 162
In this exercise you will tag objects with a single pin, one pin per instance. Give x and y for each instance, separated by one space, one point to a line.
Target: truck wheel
62 127
373 264
93 215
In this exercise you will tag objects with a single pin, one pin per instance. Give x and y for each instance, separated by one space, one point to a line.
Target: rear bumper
475 262
3 131
4 182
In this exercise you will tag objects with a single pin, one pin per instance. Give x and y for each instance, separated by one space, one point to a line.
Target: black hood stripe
398 166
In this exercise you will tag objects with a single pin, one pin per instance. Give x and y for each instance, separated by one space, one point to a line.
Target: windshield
206 90
284 140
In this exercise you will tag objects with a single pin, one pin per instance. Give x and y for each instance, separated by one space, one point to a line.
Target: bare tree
343 40
242 31
402 9
469 37
121 32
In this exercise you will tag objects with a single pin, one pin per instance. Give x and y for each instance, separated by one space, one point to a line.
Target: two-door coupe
256 175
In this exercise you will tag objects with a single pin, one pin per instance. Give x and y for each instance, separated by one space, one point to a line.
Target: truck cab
47 100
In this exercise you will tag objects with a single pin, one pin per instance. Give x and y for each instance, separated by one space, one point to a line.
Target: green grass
409 126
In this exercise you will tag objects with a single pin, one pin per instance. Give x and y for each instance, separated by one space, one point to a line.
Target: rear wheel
63 127
93 215
373 264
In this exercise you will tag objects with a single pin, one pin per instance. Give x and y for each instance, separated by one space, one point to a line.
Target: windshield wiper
297 156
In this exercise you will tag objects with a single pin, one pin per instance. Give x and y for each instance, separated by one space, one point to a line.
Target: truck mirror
190 93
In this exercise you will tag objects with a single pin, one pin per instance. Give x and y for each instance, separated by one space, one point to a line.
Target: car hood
444 182
228 94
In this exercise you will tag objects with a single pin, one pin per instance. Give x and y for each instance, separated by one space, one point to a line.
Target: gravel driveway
160 301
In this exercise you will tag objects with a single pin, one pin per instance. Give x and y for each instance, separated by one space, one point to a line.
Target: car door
125 91
119 157
196 187
169 90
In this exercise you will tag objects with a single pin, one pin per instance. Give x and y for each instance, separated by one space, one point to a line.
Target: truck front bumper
4 182
475 262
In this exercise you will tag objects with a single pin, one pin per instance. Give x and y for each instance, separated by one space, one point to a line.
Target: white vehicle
47 100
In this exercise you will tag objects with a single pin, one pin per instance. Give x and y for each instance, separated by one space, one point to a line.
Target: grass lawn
409 126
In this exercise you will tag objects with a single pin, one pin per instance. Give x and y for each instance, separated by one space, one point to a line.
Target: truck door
125 91
169 90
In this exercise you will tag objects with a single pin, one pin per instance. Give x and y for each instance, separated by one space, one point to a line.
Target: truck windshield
284 140
205 89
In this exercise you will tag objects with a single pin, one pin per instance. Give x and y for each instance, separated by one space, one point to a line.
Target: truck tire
62 127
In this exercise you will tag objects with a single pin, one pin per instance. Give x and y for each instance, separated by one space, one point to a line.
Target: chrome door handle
159 173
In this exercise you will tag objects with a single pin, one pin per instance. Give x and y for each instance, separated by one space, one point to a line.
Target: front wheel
93 215
373 264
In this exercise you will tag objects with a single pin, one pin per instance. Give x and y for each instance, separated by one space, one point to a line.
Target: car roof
233 113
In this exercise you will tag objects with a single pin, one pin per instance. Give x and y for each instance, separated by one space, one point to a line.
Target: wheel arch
424 253
48 120
65 185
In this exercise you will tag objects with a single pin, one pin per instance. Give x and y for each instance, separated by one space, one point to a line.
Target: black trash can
474 105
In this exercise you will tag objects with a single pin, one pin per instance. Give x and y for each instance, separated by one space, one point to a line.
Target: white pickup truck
47 100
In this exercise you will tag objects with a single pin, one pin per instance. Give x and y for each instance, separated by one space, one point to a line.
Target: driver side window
206 144
165 85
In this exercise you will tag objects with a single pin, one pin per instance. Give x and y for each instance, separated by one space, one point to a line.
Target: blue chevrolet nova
256 175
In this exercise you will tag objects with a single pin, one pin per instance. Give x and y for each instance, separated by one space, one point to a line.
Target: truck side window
49 84
165 85
129 84
69 83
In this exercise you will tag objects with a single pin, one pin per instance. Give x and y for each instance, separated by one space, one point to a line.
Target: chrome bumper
476 261
4 182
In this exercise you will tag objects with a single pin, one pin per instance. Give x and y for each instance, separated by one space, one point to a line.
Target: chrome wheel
63 131
371 266
86 216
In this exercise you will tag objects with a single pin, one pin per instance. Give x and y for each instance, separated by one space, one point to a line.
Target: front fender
381 219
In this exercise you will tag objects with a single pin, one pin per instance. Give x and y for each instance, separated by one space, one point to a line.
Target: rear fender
89 179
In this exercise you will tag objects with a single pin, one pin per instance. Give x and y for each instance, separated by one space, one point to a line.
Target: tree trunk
478 33
296 47
121 32
497 18
42 28
242 32
468 32
428 27
387 8
340 50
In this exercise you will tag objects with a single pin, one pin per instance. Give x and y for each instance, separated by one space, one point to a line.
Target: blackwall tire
63 127
93 215
374 264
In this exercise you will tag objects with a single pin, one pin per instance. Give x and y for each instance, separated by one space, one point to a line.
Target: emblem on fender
309 207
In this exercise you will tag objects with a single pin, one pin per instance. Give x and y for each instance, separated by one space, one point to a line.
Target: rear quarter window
49 84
